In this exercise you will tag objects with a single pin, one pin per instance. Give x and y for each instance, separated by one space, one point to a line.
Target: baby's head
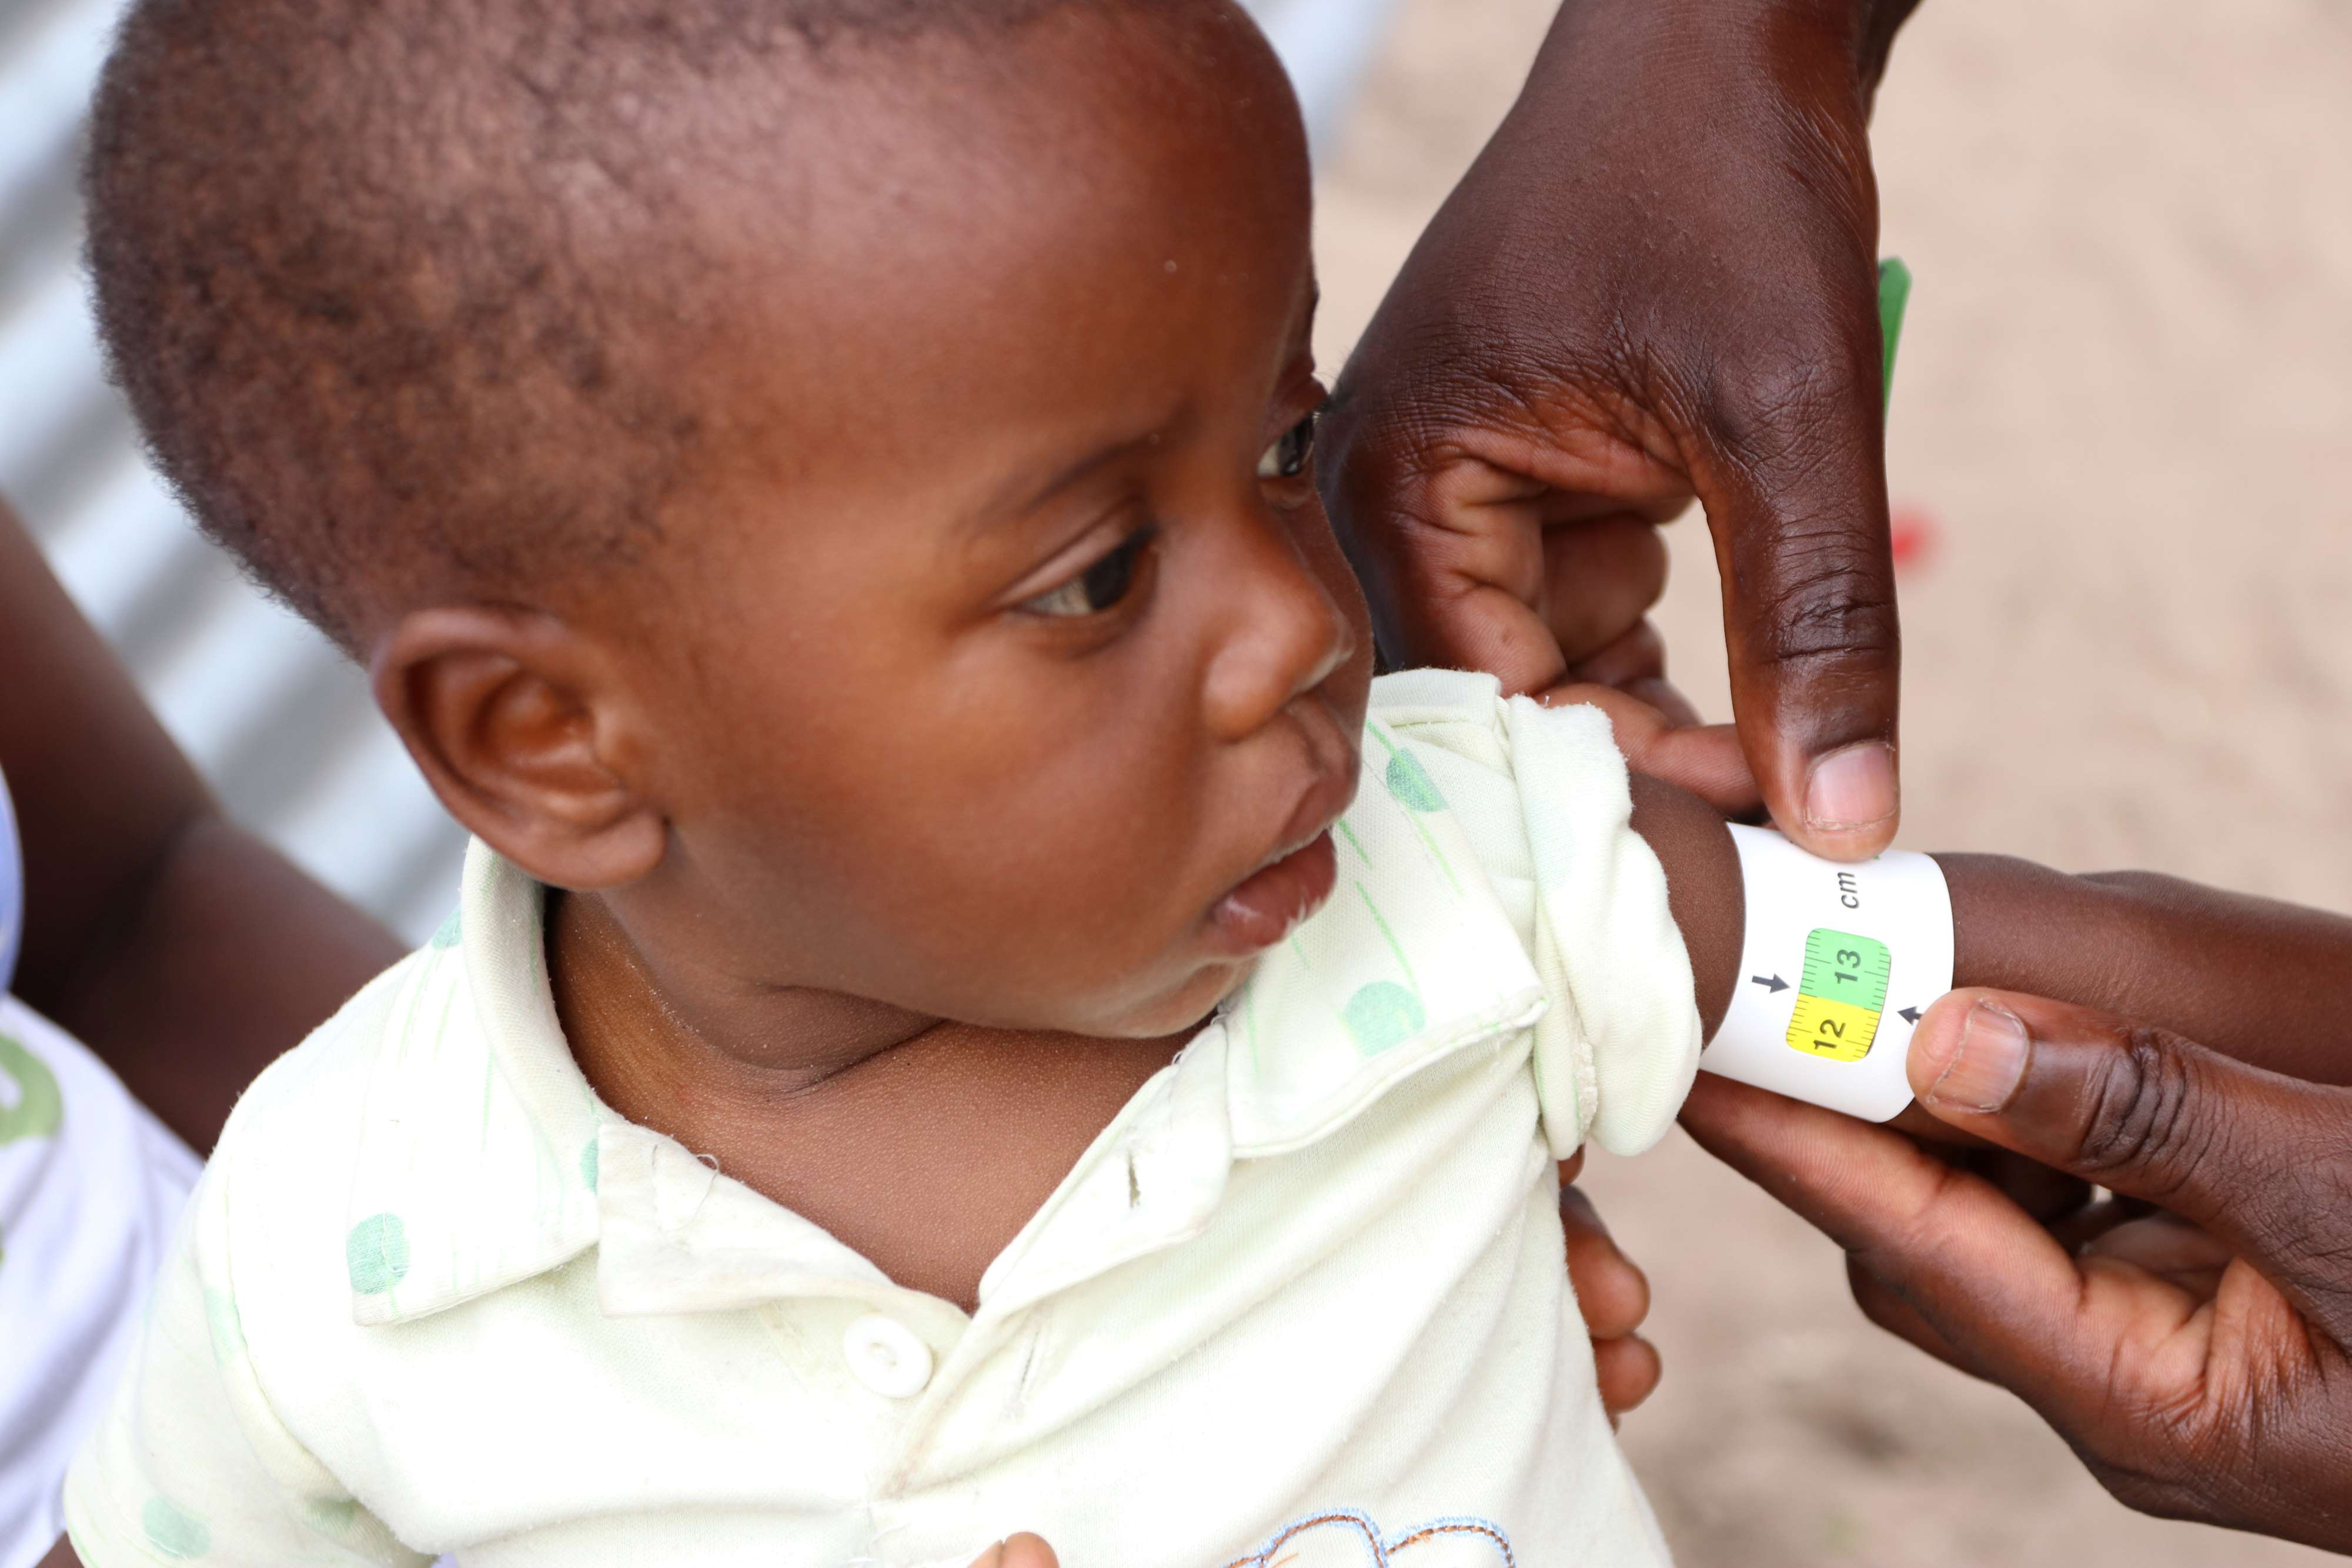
826 475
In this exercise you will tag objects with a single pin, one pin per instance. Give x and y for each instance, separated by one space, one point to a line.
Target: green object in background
1893 294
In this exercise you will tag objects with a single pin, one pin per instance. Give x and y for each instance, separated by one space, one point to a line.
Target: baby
957 1020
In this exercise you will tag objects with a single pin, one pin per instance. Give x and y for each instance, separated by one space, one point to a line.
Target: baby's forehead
1094 122
1067 227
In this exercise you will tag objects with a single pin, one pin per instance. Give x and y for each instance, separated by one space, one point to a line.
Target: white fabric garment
12 889
90 1189
1303 1300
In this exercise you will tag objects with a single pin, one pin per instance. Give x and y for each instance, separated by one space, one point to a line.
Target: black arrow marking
1909 1015
1774 983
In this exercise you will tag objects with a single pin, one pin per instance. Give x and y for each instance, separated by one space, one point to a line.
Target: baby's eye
1098 588
1291 452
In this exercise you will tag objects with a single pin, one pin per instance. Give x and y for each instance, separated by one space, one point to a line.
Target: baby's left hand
1615 1297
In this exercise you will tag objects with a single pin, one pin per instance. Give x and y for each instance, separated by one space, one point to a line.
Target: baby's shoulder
272 1218
306 1109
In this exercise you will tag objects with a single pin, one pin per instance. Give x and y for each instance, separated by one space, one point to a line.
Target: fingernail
1851 788
1984 1071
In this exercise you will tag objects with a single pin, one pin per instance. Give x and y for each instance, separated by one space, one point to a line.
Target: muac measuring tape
1837 962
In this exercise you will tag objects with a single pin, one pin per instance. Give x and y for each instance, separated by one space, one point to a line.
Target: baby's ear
524 732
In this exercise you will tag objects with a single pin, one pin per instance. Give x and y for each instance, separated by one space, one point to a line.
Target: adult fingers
1481 543
1635 664
1793 478
1898 1317
1705 759
2263 1161
2051 1196
2167 1247
1600 577
1996 1295
1452 562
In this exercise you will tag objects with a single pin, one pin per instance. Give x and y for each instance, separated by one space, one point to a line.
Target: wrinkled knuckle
2139 1116
1831 614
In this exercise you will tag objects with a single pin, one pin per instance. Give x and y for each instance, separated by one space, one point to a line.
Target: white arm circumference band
1837 963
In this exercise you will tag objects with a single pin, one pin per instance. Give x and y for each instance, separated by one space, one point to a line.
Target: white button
886 1356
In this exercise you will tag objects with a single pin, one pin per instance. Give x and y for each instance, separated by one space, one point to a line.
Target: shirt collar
480 1152
485 1158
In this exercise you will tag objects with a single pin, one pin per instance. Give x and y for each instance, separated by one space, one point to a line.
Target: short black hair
351 268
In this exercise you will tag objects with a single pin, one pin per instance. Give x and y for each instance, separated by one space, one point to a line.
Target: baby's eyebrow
1022 496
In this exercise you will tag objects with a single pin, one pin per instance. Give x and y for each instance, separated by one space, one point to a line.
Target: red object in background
1916 536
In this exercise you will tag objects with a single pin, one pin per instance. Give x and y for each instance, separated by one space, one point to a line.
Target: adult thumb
2262 1160
1792 473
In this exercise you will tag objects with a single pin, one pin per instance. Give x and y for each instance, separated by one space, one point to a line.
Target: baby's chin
1182 1010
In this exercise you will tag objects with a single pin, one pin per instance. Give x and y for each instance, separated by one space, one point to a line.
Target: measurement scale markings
1840 998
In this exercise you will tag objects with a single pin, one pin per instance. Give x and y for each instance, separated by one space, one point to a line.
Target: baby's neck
864 1118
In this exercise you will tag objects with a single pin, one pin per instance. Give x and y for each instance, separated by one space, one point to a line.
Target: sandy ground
2123 406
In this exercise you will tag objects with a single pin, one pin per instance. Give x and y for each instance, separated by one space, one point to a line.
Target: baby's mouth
1264 907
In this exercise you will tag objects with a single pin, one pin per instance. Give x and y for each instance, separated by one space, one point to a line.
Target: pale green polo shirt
1302 1301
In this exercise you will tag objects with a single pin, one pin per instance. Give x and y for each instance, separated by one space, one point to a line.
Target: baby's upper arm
189 1461
1703 885
1544 797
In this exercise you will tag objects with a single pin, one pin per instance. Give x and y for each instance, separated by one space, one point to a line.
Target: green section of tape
1842 968
1894 296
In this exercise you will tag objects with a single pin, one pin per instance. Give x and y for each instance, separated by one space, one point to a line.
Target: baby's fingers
1610 1288
1023 1551
1628 1370
1614 1297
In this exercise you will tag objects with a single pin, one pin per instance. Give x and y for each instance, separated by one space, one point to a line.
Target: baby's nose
1286 637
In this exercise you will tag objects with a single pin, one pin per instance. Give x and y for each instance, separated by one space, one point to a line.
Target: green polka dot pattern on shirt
448 932
1382 1015
588 1166
377 1252
331 1515
39 1110
173 1531
1410 782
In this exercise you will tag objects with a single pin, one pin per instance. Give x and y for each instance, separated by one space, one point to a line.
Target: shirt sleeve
1602 896
190 1463
1543 795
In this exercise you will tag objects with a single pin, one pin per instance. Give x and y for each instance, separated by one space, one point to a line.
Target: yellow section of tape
1838 1031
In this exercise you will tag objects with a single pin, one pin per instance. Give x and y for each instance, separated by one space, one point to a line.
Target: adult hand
2198 1360
1658 281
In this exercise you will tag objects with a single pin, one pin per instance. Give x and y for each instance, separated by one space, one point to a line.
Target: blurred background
2117 447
